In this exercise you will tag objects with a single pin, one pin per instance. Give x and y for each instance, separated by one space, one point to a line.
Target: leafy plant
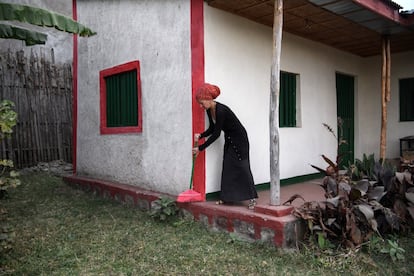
8 177
8 118
364 168
376 201
38 17
394 251
323 242
163 208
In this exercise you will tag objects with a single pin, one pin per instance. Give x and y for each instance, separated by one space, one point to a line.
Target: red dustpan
190 195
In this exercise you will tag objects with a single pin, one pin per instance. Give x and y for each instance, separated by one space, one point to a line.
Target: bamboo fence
42 93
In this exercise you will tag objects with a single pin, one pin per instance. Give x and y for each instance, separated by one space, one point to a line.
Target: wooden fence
42 93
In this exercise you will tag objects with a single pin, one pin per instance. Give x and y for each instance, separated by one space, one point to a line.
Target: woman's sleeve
210 126
220 116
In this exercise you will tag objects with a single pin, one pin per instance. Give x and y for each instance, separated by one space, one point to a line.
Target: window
407 100
287 100
120 89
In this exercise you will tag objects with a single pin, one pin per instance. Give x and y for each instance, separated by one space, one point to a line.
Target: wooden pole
274 104
385 93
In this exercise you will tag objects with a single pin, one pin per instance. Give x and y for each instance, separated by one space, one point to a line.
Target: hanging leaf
366 211
329 161
38 17
362 185
408 177
410 197
41 17
391 218
334 201
330 221
355 194
344 186
374 226
400 177
411 211
376 193
330 186
318 169
28 36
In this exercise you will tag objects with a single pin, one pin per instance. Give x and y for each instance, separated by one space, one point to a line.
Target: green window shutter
287 100
122 99
407 100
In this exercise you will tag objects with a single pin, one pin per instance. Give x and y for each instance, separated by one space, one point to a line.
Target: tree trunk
274 104
385 93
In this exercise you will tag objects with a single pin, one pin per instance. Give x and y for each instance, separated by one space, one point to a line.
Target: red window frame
130 66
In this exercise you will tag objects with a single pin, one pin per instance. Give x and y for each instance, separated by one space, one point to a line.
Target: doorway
345 111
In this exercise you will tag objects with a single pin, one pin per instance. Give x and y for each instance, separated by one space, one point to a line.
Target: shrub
163 208
375 201
8 177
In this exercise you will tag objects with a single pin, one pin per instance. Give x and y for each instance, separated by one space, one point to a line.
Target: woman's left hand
196 151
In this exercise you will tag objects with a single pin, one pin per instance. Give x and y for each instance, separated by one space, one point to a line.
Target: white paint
238 60
157 33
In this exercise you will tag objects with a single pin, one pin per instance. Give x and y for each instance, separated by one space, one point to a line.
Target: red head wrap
207 92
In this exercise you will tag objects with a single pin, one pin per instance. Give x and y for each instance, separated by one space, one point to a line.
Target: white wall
238 57
402 66
157 34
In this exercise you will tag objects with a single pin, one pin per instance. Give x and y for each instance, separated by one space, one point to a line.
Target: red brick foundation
270 224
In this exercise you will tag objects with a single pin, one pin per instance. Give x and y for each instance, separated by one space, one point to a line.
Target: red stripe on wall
197 70
75 89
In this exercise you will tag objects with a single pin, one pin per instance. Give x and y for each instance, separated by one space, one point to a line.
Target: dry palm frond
329 128
292 198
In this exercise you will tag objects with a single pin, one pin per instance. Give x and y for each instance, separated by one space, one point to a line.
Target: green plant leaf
321 240
20 33
42 17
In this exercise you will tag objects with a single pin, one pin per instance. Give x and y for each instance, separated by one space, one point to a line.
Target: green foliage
65 231
364 168
7 233
8 118
8 177
38 17
368 168
394 251
368 198
163 208
323 242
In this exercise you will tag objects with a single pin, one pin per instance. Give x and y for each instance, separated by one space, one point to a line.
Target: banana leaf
30 37
41 17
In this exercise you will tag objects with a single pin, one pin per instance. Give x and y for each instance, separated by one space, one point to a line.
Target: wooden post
274 104
385 93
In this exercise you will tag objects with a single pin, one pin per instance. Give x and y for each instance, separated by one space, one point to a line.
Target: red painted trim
197 71
130 66
384 10
74 90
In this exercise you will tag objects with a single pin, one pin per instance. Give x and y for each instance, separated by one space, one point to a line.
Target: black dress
236 180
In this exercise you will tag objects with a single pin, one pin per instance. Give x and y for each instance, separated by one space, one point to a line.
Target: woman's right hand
196 137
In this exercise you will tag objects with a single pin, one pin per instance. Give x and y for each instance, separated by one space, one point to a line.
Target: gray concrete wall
157 33
60 42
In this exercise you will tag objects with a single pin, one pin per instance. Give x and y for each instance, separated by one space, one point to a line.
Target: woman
236 180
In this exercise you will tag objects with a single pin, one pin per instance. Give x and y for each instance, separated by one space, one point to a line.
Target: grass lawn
63 231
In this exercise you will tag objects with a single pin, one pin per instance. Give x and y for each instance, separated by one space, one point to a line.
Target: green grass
63 231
